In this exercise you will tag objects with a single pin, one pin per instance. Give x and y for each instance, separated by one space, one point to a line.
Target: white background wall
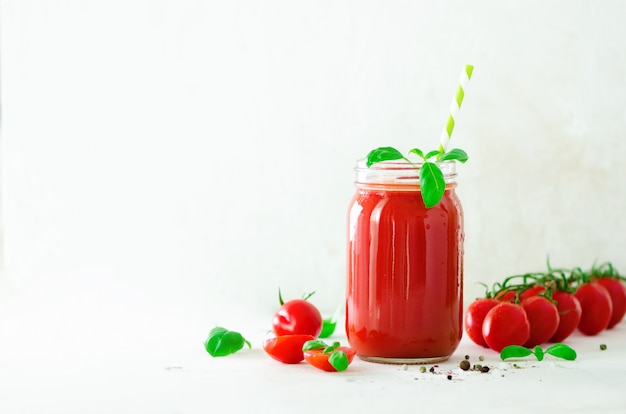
168 161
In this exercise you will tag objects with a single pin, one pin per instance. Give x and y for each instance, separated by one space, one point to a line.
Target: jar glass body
404 300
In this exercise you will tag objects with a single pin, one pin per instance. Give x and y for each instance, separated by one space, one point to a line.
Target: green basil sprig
432 181
337 358
314 344
558 350
222 342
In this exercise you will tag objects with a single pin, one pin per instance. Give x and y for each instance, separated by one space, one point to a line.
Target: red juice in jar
405 267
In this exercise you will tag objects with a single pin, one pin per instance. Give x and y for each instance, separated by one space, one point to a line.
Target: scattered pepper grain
602 347
422 369
464 365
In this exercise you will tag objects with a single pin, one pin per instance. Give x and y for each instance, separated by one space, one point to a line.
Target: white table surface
88 365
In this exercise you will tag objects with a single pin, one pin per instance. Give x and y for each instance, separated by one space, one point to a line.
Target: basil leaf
417 152
432 184
432 154
222 342
562 351
329 324
328 327
383 154
514 351
331 348
339 360
217 330
454 154
314 344
538 352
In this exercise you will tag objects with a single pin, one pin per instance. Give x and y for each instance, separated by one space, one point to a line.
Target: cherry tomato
596 306
617 291
506 296
569 315
297 317
474 317
286 348
510 295
506 324
320 360
543 317
532 291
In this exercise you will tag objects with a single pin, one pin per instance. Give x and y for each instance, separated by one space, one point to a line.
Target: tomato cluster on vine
535 308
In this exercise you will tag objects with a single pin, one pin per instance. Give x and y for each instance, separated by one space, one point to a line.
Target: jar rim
399 172
396 164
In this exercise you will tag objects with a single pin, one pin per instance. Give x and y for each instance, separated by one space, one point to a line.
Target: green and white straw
455 106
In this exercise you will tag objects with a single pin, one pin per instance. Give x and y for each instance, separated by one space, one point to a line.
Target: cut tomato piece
323 360
286 348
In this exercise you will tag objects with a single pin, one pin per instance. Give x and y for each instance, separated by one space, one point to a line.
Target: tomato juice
405 267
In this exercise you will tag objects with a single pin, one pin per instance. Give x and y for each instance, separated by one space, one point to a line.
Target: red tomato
543 317
569 315
474 317
286 348
297 317
319 359
506 296
617 291
532 291
596 306
506 324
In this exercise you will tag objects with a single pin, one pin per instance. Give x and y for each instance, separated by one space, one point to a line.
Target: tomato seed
464 365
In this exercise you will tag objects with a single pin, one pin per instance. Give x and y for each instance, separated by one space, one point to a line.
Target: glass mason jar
404 298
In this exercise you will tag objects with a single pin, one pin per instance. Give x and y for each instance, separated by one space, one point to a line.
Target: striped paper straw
455 106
